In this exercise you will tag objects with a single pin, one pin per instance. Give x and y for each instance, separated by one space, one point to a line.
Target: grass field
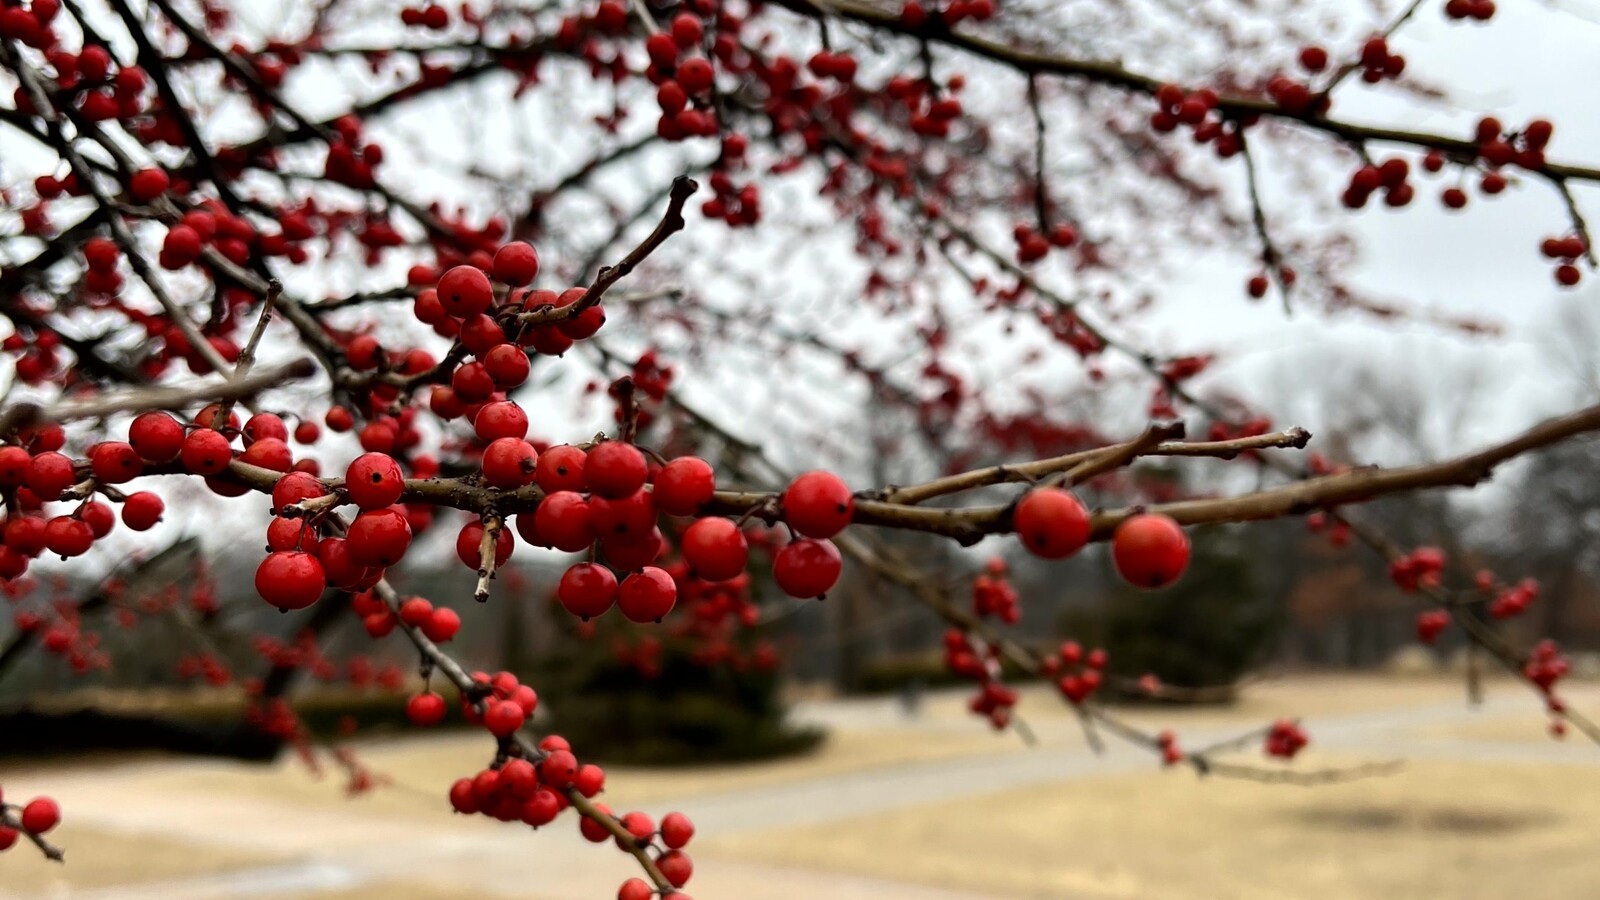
931 809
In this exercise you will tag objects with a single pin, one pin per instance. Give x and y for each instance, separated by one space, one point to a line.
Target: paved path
331 848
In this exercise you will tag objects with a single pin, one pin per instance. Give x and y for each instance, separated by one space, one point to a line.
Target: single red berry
516 264
374 480
590 780
508 462
818 504
469 546
676 866
715 549
295 487
465 291
615 469
40 815
49 474
807 568
635 889
559 766
503 717
676 830
67 536
99 518
156 436
142 510
684 485
647 595
506 365
290 579
378 537
442 625
1150 550
561 468
563 521
415 610
630 518
587 590
206 452
1052 523
426 709
462 798
269 453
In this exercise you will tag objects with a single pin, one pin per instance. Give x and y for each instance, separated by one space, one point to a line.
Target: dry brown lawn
1437 830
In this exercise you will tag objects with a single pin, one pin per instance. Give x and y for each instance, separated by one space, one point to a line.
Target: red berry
442 625
684 485
426 709
647 595
40 815
676 830
561 468
295 487
508 463
374 480
68 536
1150 550
615 469
818 504
156 436
49 474
676 866
715 549
516 264
1051 523
378 538
469 545
587 590
635 889
206 452
142 510
563 521
290 579
465 291
507 365
503 717
807 568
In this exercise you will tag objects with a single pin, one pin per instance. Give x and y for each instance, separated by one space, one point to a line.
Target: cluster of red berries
1546 665
1378 63
1421 569
932 111
1431 624
1390 176
537 791
431 16
1566 251
1194 109
1078 674
1477 10
683 83
916 15
36 817
1514 600
1032 245
1150 550
1285 739
1171 753
993 595
1295 96
970 657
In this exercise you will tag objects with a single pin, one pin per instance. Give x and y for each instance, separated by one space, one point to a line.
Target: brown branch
139 399
683 187
1033 471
